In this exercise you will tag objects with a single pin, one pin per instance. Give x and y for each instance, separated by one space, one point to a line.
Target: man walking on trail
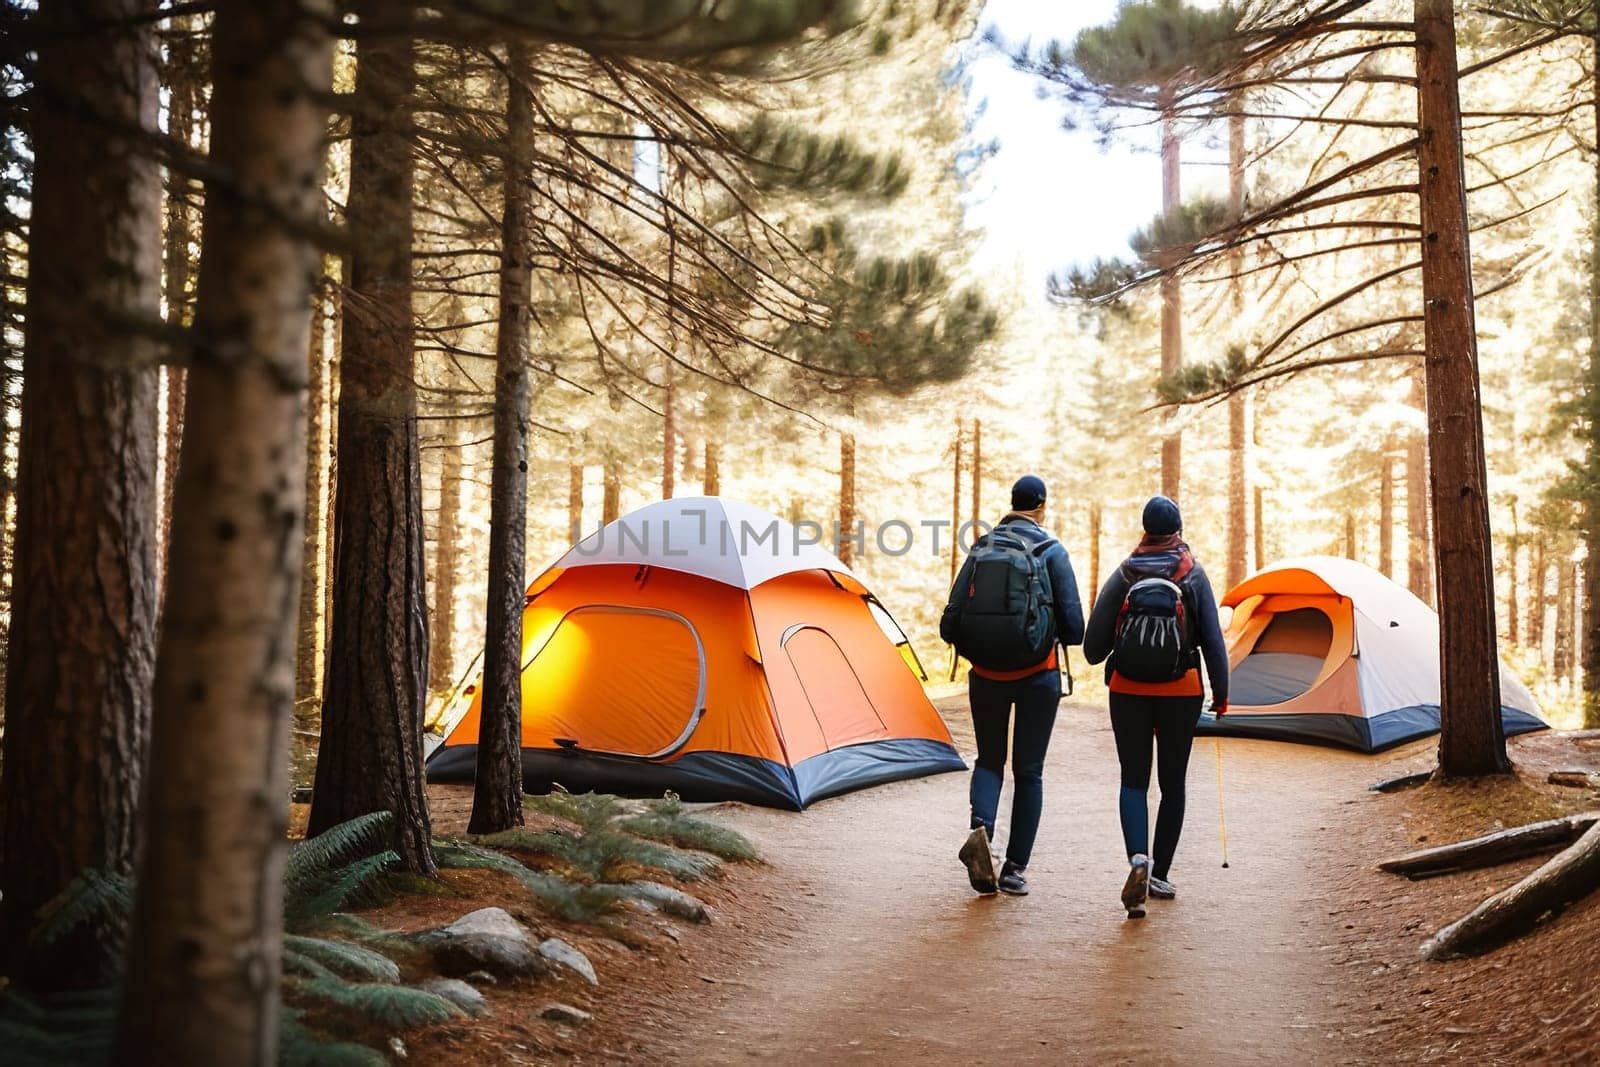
1013 603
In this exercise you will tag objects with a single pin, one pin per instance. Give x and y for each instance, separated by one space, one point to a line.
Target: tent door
619 680
840 704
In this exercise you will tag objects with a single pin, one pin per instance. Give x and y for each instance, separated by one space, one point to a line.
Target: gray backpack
1004 620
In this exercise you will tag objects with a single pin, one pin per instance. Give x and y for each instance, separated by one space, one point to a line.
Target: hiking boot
1137 888
979 861
1011 881
1162 889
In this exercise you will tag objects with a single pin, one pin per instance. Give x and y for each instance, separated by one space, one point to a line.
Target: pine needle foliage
1150 47
666 821
299 1047
94 897
71 1028
588 810
601 852
572 901
792 157
394 1007
1180 232
343 958
336 868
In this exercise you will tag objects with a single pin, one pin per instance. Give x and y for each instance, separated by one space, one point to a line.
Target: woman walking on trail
1014 601
1154 622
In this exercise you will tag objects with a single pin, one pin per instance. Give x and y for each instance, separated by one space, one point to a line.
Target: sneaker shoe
979 862
1137 888
1162 889
1011 881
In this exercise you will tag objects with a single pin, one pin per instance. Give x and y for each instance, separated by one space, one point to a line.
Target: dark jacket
1063 584
1101 633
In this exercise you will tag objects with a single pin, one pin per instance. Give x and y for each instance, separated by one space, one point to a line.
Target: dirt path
883 952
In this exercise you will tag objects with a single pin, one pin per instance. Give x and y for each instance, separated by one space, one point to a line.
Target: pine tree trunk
713 472
370 758
1259 536
977 470
1419 544
1385 516
206 944
575 501
1350 535
1471 739
669 440
1171 300
955 510
1562 659
82 653
1537 580
1238 404
497 792
446 564
1513 551
1591 425
308 639
1096 525
610 493
847 498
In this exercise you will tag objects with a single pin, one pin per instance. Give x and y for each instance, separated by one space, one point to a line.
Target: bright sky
1052 197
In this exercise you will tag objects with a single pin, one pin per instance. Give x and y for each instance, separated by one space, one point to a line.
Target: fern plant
572 901
394 1007
665 821
338 867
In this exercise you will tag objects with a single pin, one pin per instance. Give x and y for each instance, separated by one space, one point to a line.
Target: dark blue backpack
1004 620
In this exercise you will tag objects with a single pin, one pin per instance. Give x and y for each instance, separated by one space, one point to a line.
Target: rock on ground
565 1013
458 993
558 951
488 939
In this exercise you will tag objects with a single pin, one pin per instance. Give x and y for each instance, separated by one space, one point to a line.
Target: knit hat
1028 493
1161 516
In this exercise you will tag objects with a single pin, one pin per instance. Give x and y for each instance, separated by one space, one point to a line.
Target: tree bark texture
1562 659
1259 537
1538 578
847 497
1591 501
497 789
206 946
1171 300
308 641
977 469
370 758
1096 527
669 442
1568 876
1502 846
955 509
1514 557
1238 402
446 563
81 658
1471 739
713 469
610 492
1386 515
1419 541
575 501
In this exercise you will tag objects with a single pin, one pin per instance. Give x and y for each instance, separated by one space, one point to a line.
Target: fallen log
1566 877
1405 781
1577 779
1502 846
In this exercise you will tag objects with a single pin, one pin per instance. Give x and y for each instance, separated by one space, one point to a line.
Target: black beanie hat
1028 493
1161 516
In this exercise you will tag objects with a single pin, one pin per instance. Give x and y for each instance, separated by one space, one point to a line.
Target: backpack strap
1038 549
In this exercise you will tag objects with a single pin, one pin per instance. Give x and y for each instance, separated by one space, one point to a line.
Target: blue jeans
1035 699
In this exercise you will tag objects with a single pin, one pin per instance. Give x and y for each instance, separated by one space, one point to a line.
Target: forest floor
859 939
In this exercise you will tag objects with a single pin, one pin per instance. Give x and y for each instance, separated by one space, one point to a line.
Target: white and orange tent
1329 651
707 647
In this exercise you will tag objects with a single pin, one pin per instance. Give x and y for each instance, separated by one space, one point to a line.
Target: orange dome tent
707 647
